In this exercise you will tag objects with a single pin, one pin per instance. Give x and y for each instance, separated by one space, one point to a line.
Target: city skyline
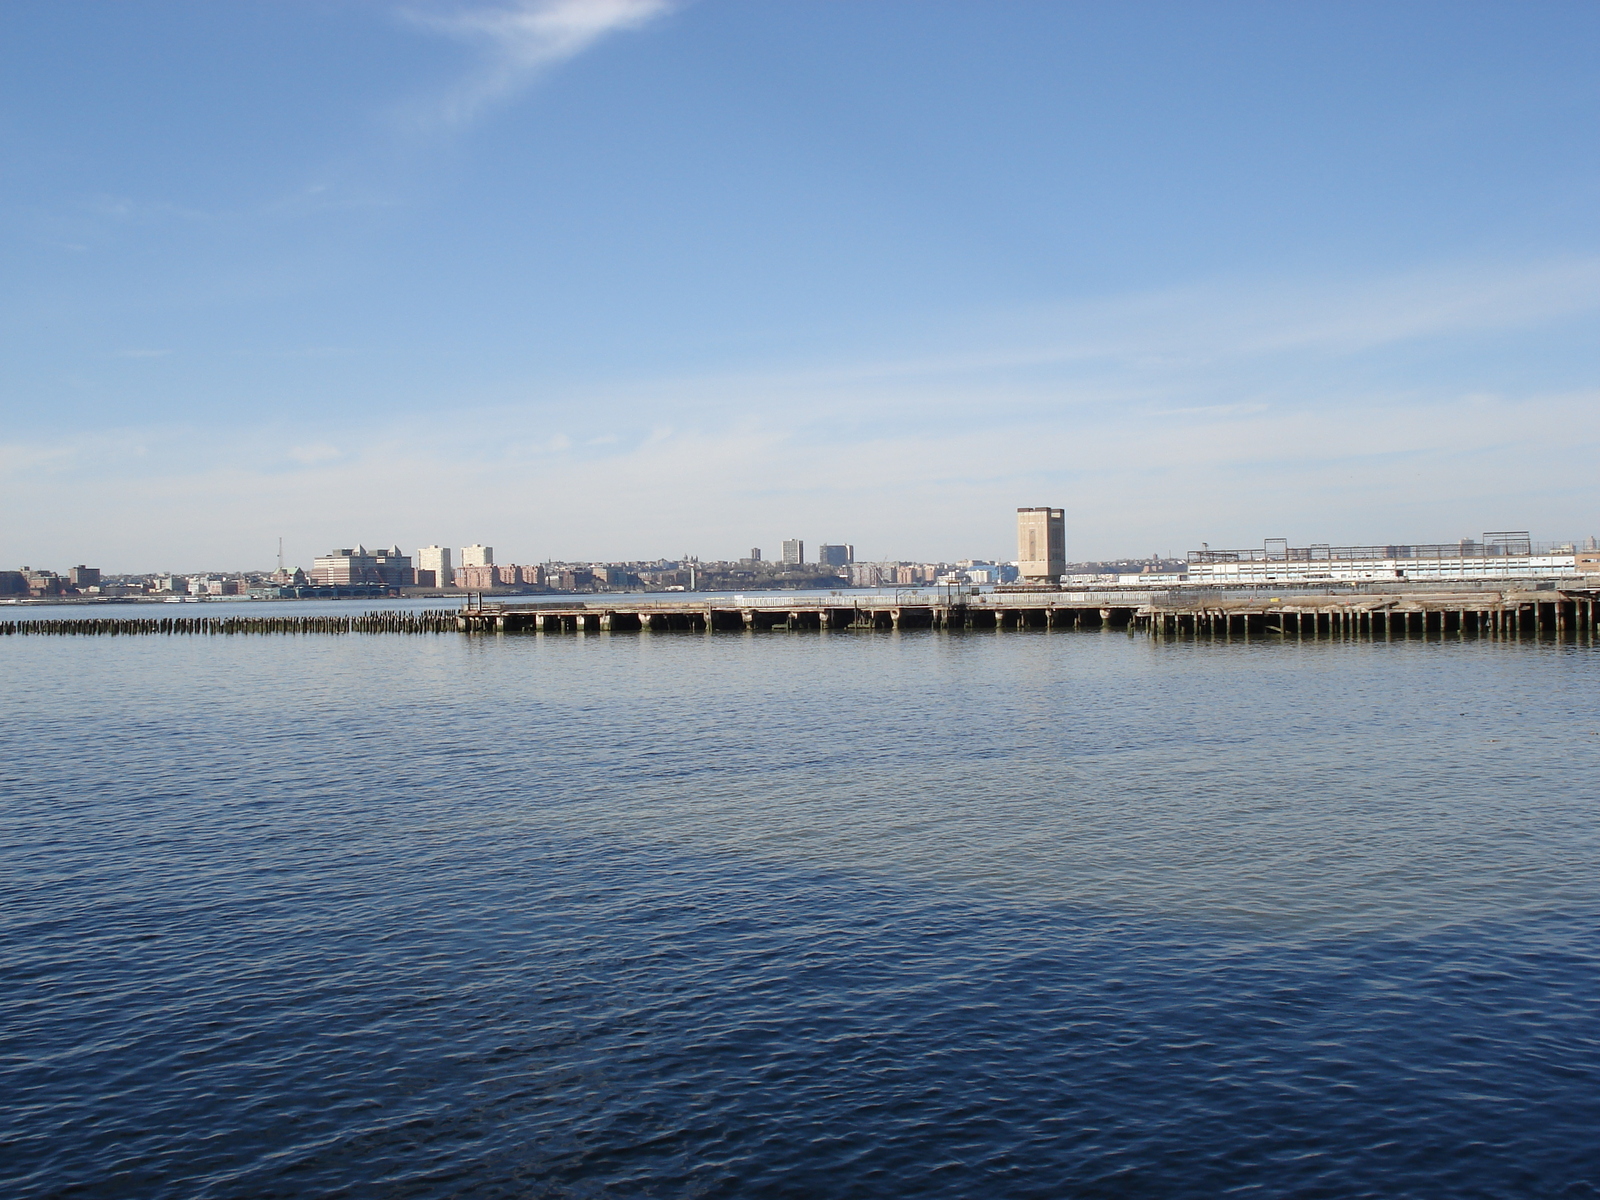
432 557
596 280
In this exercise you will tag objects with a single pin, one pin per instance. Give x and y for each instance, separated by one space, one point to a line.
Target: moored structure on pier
1498 556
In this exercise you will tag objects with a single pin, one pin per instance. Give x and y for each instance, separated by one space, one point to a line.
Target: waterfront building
836 556
83 577
866 574
794 552
477 556
891 574
1041 544
44 583
394 568
437 560
341 567
755 554
572 579
1497 556
347 568
498 575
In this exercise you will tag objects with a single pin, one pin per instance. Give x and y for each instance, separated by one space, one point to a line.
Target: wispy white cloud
521 39
315 452
1212 410
1154 341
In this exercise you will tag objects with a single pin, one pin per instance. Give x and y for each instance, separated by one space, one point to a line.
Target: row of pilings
1560 613
428 621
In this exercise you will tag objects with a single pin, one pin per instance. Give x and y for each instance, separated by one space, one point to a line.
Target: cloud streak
1220 415
1432 470
521 40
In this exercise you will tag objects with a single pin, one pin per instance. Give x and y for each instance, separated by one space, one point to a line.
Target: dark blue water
1066 914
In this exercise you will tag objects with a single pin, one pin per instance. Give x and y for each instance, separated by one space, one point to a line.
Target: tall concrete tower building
437 560
477 556
1041 544
794 551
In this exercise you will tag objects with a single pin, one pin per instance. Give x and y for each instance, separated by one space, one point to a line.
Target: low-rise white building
1497 556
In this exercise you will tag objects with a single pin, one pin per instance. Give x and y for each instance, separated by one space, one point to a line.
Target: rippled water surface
1019 914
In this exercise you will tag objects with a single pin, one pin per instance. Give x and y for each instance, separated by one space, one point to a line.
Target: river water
847 914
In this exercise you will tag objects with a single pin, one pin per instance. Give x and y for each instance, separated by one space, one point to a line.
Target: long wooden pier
1388 615
1503 612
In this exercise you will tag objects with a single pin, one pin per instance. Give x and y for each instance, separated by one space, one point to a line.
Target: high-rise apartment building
794 552
1041 544
477 556
836 556
437 560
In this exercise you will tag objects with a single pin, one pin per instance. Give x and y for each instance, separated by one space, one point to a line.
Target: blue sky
629 278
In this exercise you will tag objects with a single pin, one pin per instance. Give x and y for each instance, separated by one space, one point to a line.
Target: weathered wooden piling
428 621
